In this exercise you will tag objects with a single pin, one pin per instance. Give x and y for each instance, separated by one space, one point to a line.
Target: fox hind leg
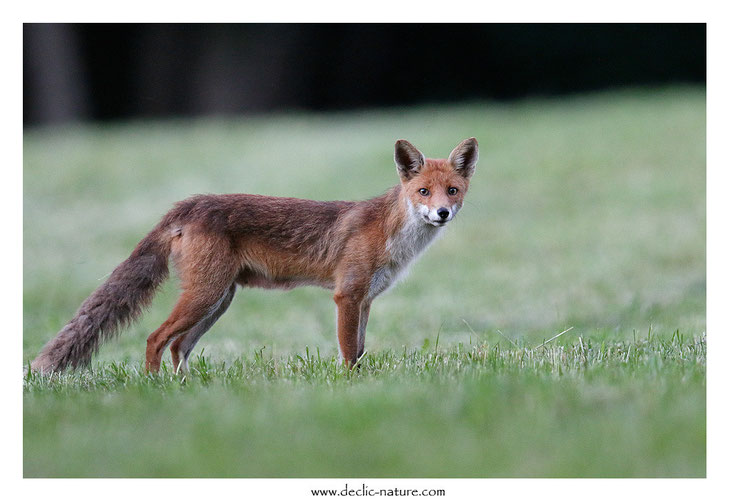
196 306
189 310
183 345
207 268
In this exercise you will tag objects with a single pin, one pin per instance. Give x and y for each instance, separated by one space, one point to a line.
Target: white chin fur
431 216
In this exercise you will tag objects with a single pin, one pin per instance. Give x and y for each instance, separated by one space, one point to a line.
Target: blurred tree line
113 71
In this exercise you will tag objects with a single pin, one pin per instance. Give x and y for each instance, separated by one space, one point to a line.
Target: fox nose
443 213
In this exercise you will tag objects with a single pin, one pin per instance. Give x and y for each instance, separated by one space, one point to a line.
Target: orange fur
216 242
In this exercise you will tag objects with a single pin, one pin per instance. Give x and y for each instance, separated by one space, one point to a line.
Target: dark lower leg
364 314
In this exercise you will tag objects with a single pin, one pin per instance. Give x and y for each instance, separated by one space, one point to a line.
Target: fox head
434 188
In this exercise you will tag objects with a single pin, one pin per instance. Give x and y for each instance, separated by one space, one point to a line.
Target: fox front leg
348 325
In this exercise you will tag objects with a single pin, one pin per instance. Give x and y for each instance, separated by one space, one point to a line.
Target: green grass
587 212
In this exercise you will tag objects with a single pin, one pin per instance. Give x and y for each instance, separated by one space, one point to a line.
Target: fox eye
453 190
424 191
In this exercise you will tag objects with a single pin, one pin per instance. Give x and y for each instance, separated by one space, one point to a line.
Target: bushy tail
116 303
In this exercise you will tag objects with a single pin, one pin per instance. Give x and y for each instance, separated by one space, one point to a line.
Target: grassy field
585 213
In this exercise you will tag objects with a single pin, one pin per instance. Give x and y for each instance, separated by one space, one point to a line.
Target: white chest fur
411 240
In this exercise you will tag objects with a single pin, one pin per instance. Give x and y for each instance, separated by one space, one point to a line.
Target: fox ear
408 159
465 156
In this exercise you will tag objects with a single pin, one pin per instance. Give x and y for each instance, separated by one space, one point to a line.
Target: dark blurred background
75 72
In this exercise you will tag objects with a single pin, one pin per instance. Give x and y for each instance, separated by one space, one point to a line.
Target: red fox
357 249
